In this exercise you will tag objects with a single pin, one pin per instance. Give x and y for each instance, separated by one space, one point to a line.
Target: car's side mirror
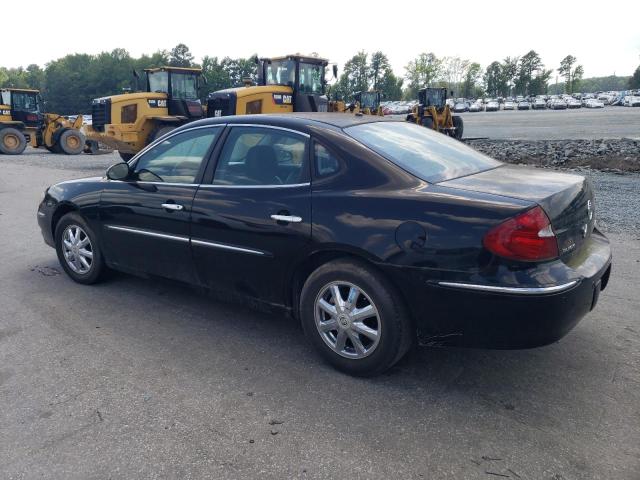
119 171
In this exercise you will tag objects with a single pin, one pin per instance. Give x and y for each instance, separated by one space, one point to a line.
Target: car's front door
253 222
145 220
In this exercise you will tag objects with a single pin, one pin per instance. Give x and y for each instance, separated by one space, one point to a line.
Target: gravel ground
137 378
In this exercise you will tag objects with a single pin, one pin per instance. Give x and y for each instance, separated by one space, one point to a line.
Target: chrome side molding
518 290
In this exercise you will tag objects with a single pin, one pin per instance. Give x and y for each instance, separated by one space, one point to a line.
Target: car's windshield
24 101
431 156
184 85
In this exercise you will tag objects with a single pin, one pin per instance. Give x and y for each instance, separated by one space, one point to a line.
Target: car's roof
338 120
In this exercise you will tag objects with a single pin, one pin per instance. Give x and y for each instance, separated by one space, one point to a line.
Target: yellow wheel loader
367 103
130 121
22 123
293 83
433 112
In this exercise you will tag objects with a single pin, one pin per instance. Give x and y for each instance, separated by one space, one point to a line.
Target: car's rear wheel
354 318
78 250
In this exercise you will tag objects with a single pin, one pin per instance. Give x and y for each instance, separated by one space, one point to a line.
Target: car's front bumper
44 215
476 312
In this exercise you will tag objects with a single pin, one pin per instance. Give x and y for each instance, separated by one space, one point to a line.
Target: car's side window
325 162
177 159
263 156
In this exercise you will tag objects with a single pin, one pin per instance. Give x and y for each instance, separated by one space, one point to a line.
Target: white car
631 101
594 103
573 103
509 106
476 107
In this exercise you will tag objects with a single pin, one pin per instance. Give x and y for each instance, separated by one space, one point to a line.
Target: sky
604 37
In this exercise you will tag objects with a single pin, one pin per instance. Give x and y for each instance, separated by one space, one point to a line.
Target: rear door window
263 156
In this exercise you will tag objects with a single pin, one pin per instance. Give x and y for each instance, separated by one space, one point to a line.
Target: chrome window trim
518 290
172 134
223 246
273 127
292 185
149 233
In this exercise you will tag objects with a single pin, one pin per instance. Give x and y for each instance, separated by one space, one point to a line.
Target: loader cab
24 105
433 97
370 100
181 87
304 75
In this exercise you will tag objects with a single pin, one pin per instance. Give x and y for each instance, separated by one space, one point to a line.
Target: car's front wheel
354 318
78 250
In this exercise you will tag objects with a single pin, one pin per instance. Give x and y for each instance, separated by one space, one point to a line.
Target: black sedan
373 233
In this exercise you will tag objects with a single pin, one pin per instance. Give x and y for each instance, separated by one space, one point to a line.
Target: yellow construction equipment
367 103
293 83
130 121
22 123
433 112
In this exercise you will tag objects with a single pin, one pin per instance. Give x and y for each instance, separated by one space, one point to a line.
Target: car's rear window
428 155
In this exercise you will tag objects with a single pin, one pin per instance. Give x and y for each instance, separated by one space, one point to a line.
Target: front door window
177 159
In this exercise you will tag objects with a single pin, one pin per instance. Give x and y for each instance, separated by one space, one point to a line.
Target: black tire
126 156
97 267
160 131
394 327
12 141
458 124
71 141
427 122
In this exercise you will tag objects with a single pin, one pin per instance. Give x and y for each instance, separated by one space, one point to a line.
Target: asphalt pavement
137 378
581 123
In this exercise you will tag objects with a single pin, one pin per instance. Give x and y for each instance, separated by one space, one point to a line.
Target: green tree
509 68
355 77
238 69
216 76
180 56
493 79
529 64
471 77
572 75
634 81
421 72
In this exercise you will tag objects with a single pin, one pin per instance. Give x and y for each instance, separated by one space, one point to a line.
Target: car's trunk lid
567 199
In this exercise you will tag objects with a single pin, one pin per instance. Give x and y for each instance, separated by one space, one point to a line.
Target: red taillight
527 237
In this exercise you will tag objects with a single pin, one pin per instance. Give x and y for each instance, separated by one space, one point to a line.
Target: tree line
68 84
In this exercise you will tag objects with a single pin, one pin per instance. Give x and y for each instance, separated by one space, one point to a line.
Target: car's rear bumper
474 312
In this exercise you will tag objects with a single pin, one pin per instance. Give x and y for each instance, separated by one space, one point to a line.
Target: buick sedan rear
375 234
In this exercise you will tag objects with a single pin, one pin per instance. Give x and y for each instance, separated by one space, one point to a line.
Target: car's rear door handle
287 218
172 206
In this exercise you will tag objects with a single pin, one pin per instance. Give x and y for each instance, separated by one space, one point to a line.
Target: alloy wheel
347 320
77 249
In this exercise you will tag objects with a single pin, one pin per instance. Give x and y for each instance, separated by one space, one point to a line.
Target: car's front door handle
287 218
172 206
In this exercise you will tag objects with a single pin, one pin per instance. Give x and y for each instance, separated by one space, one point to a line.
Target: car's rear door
253 222
146 220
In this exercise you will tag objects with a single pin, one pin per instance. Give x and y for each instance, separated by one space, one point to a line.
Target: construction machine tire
71 141
159 132
12 141
458 124
427 122
126 156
